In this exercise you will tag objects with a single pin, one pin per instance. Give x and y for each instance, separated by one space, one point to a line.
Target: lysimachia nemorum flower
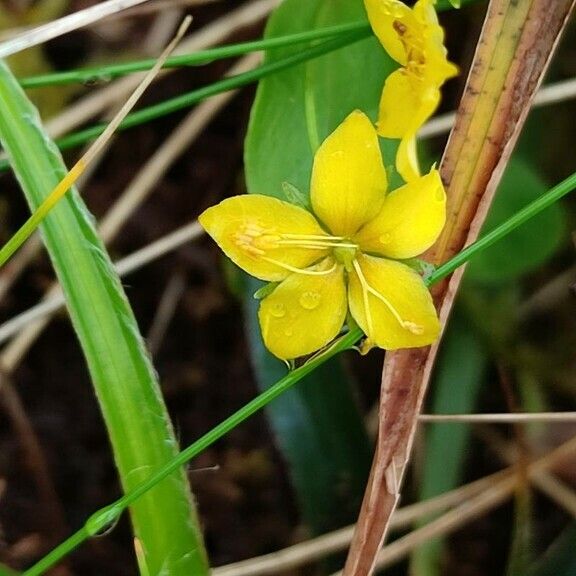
414 38
343 256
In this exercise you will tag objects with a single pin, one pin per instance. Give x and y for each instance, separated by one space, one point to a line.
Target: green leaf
124 380
296 109
527 247
317 424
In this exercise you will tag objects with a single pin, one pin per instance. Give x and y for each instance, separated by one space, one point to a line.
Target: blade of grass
107 73
124 380
26 230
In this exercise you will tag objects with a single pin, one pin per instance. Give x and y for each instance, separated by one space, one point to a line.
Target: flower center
346 255
257 241
414 48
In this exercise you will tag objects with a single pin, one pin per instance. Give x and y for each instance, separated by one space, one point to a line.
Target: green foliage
123 377
317 425
528 247
295 110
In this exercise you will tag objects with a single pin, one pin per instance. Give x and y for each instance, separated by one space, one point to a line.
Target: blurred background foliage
301 471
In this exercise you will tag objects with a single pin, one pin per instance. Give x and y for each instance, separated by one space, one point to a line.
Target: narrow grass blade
125 383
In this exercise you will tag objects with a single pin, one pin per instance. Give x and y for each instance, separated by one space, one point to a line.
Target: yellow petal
438 69
386 18
391 304
348 178
407 102
407 164
304 313
410 221
399 105
252 229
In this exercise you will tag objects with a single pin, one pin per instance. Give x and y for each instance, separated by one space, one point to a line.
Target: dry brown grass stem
64 25
551 94
322 546
124 266
517 418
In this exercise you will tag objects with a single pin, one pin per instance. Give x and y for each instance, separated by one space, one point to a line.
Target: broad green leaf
529 246
459 375
317 424
295 110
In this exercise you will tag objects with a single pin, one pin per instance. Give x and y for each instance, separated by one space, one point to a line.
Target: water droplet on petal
385 238
288 332
414 328
310 300
278 310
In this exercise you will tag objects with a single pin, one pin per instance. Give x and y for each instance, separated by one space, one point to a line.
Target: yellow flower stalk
343 256
414 38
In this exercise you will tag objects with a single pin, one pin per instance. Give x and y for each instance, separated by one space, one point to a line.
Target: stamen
406 324
316 244
299 270
312 236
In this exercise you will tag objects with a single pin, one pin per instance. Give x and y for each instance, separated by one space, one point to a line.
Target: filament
299 270
367 289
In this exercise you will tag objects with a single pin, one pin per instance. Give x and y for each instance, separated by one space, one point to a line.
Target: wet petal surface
304 313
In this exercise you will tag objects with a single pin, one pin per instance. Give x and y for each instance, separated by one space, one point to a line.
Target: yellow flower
414 38
343 253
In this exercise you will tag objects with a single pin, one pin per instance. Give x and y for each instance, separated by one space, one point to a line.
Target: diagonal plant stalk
514 49
164 520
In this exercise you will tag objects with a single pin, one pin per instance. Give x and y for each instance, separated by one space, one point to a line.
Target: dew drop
385 238
414 328
289 332
310 300
278 310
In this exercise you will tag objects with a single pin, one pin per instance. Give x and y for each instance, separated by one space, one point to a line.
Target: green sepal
295 196
265 290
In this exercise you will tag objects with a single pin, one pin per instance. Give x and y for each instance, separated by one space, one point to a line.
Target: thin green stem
107 516
110 514
186 100
505 228
99 74
106 73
